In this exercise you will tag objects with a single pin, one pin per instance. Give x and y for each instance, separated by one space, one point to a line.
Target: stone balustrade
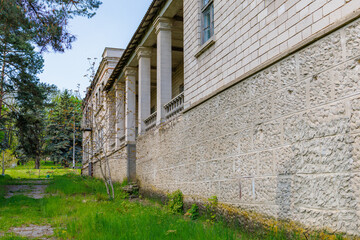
150 122
175 106
122 140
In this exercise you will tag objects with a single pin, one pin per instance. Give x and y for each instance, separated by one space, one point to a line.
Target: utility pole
74 133
74 143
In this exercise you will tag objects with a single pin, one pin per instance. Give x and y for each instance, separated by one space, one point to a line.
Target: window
207 22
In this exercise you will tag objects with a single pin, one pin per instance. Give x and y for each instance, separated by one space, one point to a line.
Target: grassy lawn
47 170
77 208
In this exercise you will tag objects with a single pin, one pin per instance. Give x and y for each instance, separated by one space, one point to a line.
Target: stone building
256 102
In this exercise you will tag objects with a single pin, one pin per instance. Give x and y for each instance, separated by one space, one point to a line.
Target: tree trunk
3 163
2 80
104 178
37 162
110 180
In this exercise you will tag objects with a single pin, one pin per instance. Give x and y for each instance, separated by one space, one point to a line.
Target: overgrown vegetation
176 202
79 210
77 207
211 208
48 170
193 212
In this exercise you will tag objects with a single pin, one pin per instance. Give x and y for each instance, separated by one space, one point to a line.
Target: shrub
211 207
193 212
176 202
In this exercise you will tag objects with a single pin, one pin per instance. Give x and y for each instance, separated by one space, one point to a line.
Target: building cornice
146 23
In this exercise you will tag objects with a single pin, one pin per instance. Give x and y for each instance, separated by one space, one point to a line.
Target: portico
151 71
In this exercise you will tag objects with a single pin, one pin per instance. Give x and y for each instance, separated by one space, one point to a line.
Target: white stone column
164 66
144 57
130 104
120 112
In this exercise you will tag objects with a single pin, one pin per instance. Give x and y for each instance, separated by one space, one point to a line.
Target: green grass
47 170
80 210
77 207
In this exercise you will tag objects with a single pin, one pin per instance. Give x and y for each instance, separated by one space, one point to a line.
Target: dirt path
34 231
33 189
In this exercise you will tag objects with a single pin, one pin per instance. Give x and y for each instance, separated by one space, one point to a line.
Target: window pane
207 19
205 2
207 34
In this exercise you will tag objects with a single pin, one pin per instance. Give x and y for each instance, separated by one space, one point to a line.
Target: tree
7 139
17 56
32 101
25 24
40 22
49 19
64 116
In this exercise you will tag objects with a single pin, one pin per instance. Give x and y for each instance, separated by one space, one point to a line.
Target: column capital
143 52
119 85
130 71
162 23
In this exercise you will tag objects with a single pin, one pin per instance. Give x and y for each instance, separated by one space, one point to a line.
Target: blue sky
113 26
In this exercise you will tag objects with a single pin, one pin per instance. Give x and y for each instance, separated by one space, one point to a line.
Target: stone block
240 118
283 196
352 38
323 155
310 217
290 99
342 221
208 170
244 140
284 161
348 194
321 88
229 191
243 89
320 122
288 73
346 78
227 168
245 165
264 82
316 192
227 145
267 135
264 109
265 190
265 166
356 153
321 55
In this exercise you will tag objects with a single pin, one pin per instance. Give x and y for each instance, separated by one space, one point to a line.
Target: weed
125 182
211 208
176 202
193 212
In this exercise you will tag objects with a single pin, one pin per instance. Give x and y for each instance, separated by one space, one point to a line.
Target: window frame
204 8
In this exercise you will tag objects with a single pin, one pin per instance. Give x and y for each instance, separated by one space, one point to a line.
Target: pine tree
31 119
63 114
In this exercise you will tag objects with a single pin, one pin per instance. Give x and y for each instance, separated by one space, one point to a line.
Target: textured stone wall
118 166
247 34
284 142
